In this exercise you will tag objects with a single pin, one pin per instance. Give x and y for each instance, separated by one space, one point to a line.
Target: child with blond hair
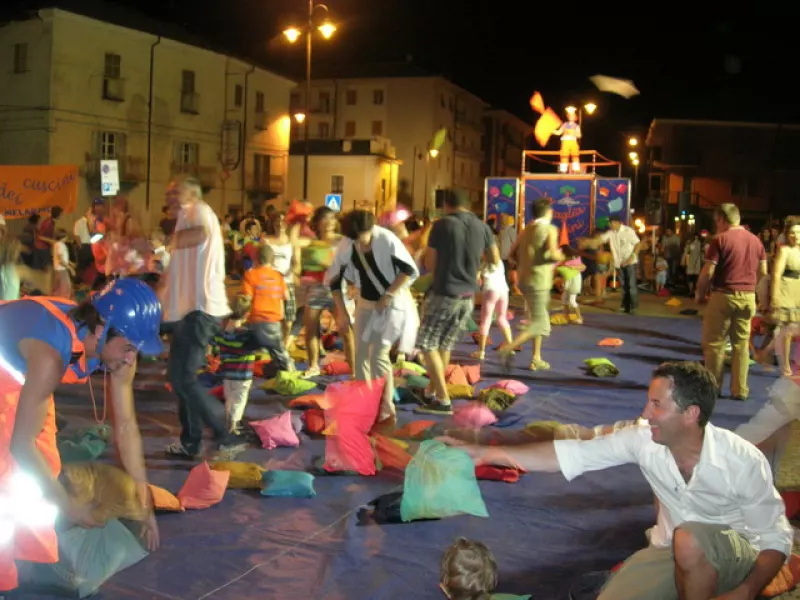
468 571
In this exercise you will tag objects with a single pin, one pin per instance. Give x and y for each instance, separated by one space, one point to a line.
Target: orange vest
38 544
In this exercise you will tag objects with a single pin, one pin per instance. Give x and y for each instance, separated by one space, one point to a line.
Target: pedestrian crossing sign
333 201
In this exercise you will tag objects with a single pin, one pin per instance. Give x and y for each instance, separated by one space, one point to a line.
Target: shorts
443 321
650 573
318 296
538 305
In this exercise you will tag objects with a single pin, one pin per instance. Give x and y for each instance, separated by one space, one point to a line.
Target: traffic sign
333 201
109 177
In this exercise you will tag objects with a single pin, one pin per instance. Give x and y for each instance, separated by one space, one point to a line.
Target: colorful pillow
164 501
109 490
288 484
352 413
457 391
440 482
407 365
455 375
497 400
491 473
785 580
339 367
289 383
314 419
414 429
472 372
218 392
203 487
391 453
473 415
243 475
308 401
417 381
510 385
276 432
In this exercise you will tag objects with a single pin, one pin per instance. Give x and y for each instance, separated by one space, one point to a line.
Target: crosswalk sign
333 201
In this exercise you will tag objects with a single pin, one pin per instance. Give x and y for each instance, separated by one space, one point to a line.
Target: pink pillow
473 415
510 385
277 431
352 413
203 487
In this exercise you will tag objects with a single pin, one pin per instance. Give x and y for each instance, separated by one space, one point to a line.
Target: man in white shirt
720 531
194 302
625 250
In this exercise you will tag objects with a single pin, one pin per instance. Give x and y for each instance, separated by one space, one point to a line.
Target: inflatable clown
570 132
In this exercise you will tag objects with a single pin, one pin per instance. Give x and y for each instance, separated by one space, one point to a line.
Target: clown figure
570 133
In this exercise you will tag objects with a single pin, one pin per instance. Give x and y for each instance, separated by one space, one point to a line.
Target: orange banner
25 191
545 126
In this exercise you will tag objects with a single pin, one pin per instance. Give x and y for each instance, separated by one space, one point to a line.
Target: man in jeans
194 302
457 243
735 261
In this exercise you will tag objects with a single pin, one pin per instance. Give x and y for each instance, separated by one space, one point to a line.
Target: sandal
478 354
539 365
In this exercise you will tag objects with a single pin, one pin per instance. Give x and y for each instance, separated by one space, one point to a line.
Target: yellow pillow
460 391
164 500
244 475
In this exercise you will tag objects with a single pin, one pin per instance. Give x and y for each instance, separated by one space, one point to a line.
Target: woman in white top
495 302
62 269
284 261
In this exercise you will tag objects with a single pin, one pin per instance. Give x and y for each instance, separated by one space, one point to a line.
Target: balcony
267 184
132 170
463 121
190 103
261 121
114 89
207 176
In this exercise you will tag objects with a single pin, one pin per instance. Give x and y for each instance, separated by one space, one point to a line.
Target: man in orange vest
45 342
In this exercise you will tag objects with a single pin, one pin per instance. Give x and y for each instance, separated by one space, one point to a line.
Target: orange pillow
611 342
472 372
314 420
309 401
164 500
203 487
338 367
390 453
455 375
414 429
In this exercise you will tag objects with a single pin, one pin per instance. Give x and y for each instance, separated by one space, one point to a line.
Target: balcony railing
132 169
207 176
271 184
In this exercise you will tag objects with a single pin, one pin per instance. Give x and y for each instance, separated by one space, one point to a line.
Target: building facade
407 111
76 90
364 173
505 137
694 166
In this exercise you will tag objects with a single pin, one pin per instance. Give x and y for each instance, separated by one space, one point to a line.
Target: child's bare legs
311 318
490 301
570 304
501 312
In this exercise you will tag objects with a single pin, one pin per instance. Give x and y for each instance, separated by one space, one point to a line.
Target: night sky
719 65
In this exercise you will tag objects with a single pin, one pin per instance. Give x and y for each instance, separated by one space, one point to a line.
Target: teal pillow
87 559
288 484
417 381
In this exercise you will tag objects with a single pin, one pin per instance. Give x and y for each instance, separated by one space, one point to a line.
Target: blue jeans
196 406
270 336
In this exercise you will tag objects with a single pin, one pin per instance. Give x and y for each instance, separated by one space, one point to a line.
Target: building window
113 66
325 103
260 103
262 171
352 97
350 129
324 130
656 182
377 128
238 96
655 153
187 82
20 58
337 184
377 97
110 145
188 154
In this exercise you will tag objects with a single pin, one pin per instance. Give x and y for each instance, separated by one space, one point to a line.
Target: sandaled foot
539 365
478 354
312 372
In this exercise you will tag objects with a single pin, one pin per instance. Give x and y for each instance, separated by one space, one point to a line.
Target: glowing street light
292 34
635 162
633 155
633 142
433 152
590 107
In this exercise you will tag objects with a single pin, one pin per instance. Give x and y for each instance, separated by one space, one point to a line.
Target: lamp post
327 29
634 156
589 107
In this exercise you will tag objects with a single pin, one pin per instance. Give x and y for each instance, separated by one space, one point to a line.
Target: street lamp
633 141
589 107
327 29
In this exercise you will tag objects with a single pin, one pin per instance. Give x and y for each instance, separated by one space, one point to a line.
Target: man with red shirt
735 261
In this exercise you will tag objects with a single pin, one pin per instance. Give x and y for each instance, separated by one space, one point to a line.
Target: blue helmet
131 307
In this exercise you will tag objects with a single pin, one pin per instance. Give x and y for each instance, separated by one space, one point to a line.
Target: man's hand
384 303
150 534
475 452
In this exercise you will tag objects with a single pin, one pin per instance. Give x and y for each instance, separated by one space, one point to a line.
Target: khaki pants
650 573
372 359
728 316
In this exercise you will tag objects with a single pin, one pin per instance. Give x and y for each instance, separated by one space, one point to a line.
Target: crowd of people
394 288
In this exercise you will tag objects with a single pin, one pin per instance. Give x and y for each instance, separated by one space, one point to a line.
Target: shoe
435 408
230 451
178 450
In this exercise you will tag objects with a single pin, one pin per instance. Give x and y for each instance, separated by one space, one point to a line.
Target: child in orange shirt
267 289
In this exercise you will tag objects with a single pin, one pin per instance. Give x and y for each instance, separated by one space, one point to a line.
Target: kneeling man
720 532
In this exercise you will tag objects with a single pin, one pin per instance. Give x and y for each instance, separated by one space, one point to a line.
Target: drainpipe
150 123
245 130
